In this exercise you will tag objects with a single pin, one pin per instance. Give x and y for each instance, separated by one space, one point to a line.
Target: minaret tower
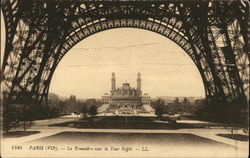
113 82
138 81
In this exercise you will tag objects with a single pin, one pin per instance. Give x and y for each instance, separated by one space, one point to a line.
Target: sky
85 71
166 70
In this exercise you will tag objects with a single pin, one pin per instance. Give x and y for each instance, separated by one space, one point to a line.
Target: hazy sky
166 70
85 71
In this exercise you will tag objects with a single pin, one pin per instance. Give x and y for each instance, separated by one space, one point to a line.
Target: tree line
209 109
23 115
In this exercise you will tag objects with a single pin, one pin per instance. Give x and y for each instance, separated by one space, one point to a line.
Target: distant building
126 99
145 99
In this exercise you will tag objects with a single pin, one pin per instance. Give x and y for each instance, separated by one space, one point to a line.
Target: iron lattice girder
48 29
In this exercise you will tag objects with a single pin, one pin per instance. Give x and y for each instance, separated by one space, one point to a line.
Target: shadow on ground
180 140
131 122
239 137
16 134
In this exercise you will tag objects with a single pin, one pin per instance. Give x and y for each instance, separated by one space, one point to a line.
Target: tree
159 107
18 115
55 106
93 110
218 110
72 98
91 102
53 100
84 108
25 116
71 105
186 102
176 100
9 117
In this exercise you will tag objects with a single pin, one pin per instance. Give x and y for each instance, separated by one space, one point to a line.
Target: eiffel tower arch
40 33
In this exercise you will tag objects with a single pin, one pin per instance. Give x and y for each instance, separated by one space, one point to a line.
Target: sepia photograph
124 78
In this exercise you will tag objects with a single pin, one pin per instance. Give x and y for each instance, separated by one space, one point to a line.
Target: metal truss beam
40 33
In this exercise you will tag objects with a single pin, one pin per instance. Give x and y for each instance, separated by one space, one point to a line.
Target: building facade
126 98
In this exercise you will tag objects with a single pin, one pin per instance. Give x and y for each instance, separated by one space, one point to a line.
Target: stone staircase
103 108
110 109
148 108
